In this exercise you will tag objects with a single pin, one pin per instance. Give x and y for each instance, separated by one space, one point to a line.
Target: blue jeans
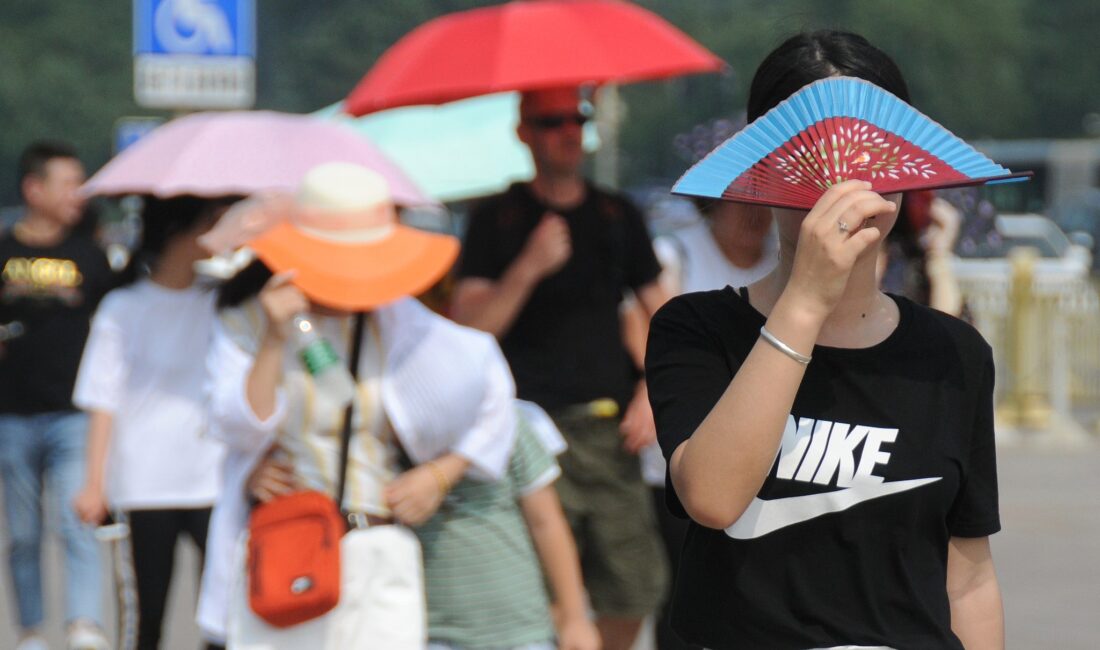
42 460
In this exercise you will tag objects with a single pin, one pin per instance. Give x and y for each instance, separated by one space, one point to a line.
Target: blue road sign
195 54
195 27
129 130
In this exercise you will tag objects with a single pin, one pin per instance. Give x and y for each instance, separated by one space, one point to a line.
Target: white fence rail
1063 355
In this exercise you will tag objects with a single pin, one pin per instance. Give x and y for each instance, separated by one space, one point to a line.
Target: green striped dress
484 582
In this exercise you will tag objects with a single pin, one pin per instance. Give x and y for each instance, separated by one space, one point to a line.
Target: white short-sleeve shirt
144 363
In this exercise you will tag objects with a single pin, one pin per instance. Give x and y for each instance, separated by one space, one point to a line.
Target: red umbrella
526 45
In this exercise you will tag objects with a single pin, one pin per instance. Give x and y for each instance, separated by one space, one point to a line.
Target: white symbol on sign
193 27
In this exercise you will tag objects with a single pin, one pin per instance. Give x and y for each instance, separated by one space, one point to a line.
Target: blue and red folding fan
833 130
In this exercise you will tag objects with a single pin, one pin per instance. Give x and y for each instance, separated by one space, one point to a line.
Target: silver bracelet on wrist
783 347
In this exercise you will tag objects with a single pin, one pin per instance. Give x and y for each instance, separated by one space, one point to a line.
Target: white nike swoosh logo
763 517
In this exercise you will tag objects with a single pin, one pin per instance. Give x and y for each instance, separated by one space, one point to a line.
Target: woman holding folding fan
832 444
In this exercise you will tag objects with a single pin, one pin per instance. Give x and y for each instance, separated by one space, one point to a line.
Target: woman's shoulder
411 320
684 242
935 327
410 312
121 302
704 307
119 299
720 316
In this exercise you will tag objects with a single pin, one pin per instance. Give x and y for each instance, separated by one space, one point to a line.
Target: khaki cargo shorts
610 510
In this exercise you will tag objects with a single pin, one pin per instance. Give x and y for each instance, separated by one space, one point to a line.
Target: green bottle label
318 356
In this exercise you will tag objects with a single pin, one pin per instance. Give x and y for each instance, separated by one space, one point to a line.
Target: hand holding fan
833 130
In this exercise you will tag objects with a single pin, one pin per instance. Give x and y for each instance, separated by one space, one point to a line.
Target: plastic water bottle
331 377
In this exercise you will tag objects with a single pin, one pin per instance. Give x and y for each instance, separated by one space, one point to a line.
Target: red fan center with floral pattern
835 150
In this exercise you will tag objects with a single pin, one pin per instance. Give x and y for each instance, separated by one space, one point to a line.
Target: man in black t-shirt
544 268
51 280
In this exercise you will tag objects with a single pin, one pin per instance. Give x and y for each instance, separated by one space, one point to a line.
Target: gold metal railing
1044 328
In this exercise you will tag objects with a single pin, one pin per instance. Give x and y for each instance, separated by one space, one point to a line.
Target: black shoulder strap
345 434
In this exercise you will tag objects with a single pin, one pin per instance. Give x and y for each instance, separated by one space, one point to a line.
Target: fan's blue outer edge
823 99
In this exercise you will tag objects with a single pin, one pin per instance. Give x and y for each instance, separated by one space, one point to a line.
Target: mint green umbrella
454 151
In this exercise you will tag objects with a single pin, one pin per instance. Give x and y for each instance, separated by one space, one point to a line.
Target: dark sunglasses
549 122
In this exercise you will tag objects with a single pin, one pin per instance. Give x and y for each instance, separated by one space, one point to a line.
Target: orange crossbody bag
294 558
294 541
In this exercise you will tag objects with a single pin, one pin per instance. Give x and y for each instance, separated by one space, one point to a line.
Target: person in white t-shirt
141 382
732 244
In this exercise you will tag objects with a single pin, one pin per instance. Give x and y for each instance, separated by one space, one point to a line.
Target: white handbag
381 600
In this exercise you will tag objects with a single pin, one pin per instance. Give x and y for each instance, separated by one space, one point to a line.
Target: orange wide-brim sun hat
361 276
341 237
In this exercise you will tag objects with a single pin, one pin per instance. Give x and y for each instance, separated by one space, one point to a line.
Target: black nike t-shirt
888 453
52 292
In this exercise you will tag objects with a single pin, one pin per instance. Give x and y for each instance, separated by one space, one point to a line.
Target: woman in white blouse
429 390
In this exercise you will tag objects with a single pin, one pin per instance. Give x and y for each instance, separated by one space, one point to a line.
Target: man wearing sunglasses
544 267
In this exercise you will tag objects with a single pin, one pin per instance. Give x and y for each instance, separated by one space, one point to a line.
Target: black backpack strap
345 433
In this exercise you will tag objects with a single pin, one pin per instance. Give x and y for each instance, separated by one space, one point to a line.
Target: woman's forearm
451 468
720 469
978 618
100 424
977 614
264 377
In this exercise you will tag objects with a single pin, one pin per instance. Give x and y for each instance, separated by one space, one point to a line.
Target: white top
694 262
444 388
144 363
310 430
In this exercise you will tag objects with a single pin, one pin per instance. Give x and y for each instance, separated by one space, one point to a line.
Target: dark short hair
807 57
32 162
164 219
244 285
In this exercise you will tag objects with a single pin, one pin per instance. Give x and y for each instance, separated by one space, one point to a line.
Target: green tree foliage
984 68
1062 78
964 62
313 53
65 73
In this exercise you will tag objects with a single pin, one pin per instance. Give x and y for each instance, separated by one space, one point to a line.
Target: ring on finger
842 226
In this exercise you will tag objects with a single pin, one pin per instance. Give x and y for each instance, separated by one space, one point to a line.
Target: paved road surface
1048 558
